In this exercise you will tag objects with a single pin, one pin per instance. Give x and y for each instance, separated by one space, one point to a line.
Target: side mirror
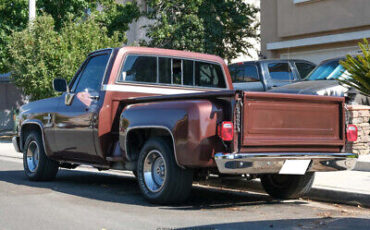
60 85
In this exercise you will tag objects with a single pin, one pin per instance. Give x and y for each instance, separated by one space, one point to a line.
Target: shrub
358 69
40 53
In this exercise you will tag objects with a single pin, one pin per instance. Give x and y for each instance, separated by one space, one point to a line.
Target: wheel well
25 130
136 139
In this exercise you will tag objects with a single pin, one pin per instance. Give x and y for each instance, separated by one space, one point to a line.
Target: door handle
94 97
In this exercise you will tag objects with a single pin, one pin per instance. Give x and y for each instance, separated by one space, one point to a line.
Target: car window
175 71
304 68
244 73
165 70
330 70
188 75
90 78
209 75
139 68
280 71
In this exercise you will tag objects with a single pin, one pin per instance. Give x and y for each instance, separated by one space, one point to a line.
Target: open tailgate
274 122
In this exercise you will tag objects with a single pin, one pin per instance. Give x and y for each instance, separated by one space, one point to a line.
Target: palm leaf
358 69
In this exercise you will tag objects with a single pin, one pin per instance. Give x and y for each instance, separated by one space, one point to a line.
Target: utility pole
31 10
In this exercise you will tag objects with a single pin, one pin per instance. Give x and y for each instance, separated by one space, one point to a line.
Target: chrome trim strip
259 163
148 90
151 127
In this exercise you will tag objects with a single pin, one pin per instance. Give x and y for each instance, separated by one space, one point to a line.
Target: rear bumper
15 141
261 163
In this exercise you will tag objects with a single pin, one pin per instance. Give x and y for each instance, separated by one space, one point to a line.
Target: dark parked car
263 75
323 81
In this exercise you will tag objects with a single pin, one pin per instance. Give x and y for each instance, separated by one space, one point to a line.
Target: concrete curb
316 193
363 163
362 166
341 197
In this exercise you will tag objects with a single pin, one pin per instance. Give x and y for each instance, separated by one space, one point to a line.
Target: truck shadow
124 189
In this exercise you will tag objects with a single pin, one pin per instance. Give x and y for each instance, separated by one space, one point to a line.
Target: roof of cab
269 60
172 53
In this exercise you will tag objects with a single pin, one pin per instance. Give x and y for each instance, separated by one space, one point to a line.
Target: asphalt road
87 199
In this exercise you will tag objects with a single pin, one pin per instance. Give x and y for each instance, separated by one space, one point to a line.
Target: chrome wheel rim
33 156
154 171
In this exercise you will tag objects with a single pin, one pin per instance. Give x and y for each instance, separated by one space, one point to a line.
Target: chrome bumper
15 141
260 163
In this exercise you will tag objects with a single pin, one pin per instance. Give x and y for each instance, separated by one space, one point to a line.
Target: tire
171 185
287 186
38 167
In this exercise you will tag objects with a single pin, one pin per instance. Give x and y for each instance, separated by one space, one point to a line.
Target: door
279 73
246 77
77 117
304 68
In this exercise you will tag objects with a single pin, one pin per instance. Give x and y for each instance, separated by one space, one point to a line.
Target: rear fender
190 126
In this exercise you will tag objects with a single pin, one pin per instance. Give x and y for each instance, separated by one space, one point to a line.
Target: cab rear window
172 71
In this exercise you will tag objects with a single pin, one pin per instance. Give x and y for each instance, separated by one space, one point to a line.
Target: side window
280 71
90 78
165 70
188 75
172 71
244 73
304 68
139 68
209 75
177 71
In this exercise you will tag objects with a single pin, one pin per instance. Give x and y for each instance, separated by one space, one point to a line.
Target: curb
362 166
342 197
316 193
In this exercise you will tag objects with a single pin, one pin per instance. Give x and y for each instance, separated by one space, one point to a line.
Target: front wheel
160 179
37 166
287 186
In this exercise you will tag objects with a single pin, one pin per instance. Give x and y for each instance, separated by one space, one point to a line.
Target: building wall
10 99
316 29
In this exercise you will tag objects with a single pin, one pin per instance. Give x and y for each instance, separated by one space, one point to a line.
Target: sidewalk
346 187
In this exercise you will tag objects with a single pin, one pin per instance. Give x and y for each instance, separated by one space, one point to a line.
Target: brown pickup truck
172 116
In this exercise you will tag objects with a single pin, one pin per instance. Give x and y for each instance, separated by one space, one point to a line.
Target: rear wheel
37 166
160 179
287 186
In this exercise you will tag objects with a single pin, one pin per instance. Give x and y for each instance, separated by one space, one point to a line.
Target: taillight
226 131
352 133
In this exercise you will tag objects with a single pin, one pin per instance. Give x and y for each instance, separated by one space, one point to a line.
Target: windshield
328 71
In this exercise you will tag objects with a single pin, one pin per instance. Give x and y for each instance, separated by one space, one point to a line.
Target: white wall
317 56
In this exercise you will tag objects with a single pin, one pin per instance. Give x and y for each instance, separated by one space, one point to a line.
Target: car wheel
160 179
287 186
37 166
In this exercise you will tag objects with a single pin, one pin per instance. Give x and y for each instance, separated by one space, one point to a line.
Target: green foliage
40 53
220 27
117 17
14 17
358 69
